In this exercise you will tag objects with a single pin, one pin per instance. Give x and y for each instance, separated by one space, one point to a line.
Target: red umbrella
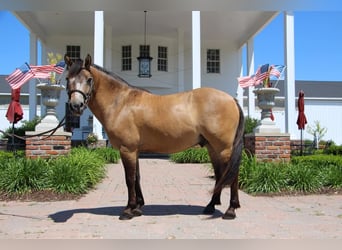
14 111
301 120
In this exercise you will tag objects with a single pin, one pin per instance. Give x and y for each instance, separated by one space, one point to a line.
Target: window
162 58
144 50
73 51
213 61
126 58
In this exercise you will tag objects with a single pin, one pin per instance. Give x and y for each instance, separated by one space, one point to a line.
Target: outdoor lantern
145 66
144 58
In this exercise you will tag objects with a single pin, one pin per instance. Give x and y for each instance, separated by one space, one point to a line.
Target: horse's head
79 84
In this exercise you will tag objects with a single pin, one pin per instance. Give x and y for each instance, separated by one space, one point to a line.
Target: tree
317 131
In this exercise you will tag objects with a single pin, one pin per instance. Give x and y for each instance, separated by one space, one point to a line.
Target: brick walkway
175 195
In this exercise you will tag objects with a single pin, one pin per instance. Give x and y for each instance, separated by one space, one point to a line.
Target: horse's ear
87 62
67 61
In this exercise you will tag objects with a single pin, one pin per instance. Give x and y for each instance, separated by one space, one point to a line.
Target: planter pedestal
266 102
45 146
266 142
50 98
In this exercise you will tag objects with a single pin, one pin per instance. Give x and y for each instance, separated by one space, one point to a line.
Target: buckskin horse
136 120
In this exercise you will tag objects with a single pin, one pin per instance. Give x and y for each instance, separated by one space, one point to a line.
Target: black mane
115 76
75 68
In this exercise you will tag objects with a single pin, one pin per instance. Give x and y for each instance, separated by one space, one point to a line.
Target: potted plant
91 140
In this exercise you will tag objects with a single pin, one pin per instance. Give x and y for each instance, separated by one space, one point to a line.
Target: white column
250 71
180 60
239 92
98 58
108 47
32 83
196 49
290 108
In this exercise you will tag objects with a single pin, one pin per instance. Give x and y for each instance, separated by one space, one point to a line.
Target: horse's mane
116 77
77 66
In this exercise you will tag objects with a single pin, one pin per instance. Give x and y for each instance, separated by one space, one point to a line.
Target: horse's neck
106 91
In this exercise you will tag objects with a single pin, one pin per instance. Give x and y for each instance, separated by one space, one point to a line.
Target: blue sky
318 41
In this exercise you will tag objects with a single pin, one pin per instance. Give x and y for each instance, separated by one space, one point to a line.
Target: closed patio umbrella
301 120
14 111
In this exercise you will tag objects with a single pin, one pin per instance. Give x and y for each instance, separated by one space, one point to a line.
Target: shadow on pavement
148 210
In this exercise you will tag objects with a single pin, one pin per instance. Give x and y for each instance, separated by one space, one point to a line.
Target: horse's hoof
209 210
136 212
126 216
229 215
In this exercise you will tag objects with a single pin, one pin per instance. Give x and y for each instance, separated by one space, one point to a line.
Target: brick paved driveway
175 195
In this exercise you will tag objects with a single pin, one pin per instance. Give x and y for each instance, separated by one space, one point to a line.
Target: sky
318 44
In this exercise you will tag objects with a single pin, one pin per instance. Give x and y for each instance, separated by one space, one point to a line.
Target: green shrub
266 178
67 177
304 178
247 168
306 174
333 177
334 150
23 175
78 172
250 124
191 155
109 154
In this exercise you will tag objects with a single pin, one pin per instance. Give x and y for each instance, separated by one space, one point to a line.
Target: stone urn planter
50 98
266 101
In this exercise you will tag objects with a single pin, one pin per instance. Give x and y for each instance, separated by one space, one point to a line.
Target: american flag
20 76
43 71
59 67
276 71
261 74
246 81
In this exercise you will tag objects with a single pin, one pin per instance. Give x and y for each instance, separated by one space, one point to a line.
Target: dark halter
87 96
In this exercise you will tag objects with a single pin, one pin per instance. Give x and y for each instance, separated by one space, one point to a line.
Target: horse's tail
231 171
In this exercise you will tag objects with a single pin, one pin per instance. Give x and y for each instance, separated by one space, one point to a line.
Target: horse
136 121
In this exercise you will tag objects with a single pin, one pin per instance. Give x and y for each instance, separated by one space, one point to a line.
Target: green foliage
334 150
191 155
25 126
23 175
316 130
109 154
305 174
250 124
303 178
76 173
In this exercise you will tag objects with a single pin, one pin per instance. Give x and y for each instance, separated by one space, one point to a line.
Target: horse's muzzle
76 108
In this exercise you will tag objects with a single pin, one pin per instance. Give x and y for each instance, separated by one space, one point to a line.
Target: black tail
231 171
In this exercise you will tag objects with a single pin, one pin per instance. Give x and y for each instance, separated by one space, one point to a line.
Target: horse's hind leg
216 197
234 200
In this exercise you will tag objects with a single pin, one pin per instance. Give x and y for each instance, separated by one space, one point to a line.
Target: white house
190 49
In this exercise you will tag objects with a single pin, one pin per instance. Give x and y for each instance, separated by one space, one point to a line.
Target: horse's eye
90 80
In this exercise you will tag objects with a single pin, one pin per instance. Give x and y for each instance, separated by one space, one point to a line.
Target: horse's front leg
135 199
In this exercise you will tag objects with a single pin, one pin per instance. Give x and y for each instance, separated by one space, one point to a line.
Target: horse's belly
168 144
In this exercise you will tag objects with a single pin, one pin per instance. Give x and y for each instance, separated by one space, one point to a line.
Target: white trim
32 83
290 111
196 49
250 70
98 58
